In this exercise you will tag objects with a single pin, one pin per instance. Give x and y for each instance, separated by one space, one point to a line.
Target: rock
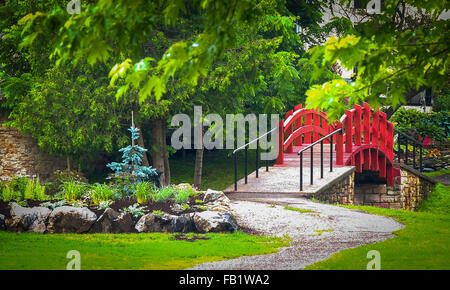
427 169
2 222
216 201
154 223
214 195
24 219
113 222
183 223
213 221
69 219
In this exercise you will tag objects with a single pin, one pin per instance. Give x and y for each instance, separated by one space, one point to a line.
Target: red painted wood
357 115
382 165
289 131
383 130
308 121
390 174
348 123
390 141
374 159
298 124
367 159
303 130
358 162
339 146
366 118
316 122
280 158
375 127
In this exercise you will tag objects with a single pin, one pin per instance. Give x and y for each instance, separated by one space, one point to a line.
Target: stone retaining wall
409 190
20 154
339 191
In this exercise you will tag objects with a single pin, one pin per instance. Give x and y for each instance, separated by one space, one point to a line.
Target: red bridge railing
366 139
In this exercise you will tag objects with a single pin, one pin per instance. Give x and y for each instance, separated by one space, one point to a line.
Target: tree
393 54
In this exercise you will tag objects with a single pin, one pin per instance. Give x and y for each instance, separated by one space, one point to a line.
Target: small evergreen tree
132 160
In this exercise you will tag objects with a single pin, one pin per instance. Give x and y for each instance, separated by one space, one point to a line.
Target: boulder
183 223
25 219
69 219
216 201
2 222
113 222
214 221
154 223
214 195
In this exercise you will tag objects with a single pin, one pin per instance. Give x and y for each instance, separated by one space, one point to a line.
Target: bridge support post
289 131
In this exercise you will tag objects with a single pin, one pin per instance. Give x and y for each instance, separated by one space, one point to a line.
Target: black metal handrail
414 144
245 147
310 146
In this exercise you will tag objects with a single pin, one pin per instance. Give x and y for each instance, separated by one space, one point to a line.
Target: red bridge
364 141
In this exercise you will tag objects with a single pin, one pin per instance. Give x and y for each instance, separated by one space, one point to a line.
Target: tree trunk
141 144
68 164
198 165
159 154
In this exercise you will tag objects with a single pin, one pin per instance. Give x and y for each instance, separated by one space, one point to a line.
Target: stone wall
339 191
408 191
20 154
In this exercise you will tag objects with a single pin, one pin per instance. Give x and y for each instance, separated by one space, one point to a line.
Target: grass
218 168
300 209
423 244
437 173
127 251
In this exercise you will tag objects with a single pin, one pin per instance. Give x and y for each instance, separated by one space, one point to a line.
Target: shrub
73 190
39 191
29 190
182 196
164 194
102 192
441 103
433 125
143 191
59 177
135 210
7 193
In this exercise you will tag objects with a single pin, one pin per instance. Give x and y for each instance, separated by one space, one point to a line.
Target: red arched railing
366 142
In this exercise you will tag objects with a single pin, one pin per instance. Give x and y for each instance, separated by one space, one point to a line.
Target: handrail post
246 164
301 171
312 166
235 171
420 159
414 156
257 157
321 159
406 151
399 146
331 153
267 161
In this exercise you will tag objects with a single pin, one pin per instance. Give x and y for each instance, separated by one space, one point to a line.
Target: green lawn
127 251
423 244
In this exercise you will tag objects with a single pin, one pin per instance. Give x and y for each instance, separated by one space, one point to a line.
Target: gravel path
316 236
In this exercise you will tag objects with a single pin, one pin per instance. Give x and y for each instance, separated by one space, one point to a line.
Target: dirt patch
189 238
444 179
